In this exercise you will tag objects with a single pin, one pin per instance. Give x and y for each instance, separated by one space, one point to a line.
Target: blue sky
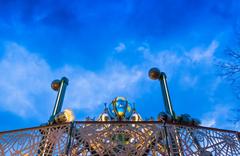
106 48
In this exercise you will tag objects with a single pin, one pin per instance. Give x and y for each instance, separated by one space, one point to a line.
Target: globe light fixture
65 116
154 73
56 85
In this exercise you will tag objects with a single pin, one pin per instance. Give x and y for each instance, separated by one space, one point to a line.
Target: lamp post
46 146
155 74
60 86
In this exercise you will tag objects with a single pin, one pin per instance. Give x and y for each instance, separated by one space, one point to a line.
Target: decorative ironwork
48 140
119 138
206 141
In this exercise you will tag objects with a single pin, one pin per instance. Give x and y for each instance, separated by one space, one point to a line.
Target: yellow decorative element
65 116
120 114
128 108
104 117
69 115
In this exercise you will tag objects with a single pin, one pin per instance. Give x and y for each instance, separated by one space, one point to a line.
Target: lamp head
56 85
154 73
65 116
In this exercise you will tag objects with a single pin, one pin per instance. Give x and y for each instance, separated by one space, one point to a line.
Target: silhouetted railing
119 138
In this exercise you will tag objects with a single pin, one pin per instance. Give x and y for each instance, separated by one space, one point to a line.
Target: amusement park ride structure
119 130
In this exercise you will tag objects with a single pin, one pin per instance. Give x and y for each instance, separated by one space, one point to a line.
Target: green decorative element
184 119
196 122
165 117
187 119
121 138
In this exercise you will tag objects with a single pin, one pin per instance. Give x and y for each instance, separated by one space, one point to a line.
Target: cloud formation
220 117
121 47
26 77
23 79
88 89
206 55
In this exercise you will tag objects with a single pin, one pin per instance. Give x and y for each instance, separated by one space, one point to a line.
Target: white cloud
166 61
120 48
198 54
87 89
189 80
181 63
220 117
190 68
26 77
23 76
208 122
143 49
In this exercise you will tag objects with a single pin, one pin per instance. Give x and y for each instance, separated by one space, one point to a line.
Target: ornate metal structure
119 130
119 138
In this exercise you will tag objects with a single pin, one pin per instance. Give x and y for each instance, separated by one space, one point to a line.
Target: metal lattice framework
119 138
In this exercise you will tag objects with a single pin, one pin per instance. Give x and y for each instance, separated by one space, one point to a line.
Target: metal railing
119 138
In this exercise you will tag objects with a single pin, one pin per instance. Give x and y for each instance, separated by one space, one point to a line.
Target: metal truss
144 138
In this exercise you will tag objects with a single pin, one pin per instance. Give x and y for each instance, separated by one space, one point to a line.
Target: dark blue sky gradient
42 26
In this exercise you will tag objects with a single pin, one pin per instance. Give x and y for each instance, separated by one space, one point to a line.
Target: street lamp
57 117
59 86
156 74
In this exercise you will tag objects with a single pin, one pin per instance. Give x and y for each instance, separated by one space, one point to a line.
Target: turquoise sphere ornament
120 108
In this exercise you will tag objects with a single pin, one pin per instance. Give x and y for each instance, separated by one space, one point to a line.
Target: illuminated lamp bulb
65 116
69 114
154 73
55 85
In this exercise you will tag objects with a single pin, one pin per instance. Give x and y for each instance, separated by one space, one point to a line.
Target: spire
105 108
134 108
